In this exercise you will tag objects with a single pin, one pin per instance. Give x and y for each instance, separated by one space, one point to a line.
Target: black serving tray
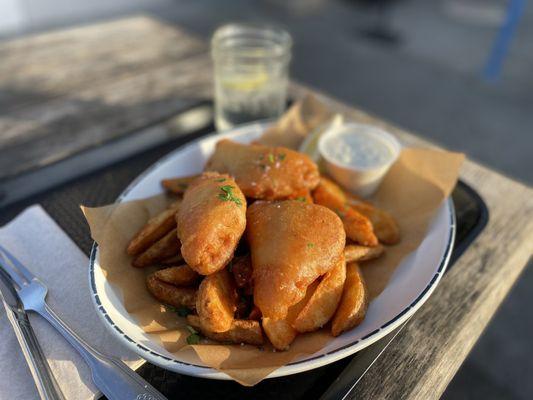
101 184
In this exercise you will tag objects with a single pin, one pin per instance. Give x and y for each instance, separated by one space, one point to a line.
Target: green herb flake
228 195
192 330
271 158
193 338
310 245
301 198
261 157
183 311
220 180
170 308
281 156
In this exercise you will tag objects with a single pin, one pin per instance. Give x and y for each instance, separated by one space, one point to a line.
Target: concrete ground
428 81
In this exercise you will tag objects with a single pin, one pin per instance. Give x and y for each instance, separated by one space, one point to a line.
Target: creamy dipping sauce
358 149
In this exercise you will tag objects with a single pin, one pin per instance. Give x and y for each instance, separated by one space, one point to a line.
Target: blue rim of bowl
101 309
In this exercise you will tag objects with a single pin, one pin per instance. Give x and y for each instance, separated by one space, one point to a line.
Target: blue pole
493 66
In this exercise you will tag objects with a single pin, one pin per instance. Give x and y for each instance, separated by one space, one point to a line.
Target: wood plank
52 130
38 68
425 356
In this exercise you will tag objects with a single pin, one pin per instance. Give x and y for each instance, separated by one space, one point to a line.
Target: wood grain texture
65 91
116 83
427 353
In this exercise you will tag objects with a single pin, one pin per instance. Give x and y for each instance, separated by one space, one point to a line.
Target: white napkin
40 244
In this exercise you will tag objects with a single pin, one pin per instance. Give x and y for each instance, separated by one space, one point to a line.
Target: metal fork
114 378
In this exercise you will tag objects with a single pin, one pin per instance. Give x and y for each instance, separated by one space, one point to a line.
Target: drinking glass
251 73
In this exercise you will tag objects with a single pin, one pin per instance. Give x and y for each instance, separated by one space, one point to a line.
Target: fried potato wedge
324 300
178 185
179 275
172 260
167 246
358 227
353 304
217 301
170 294
211 221
355 252
240 331
385 226
280 331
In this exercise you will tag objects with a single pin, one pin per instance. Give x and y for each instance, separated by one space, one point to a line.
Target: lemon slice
310 144
246 83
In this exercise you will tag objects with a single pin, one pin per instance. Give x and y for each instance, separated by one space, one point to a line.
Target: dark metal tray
101 186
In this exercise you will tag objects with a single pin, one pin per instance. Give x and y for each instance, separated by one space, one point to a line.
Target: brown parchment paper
412 191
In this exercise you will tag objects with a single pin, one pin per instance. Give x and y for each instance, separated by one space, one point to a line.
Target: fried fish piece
156 227
264 172
324 301
355 252
167 246
178 275
170 294
292 244
240 331
353 304
358 227
216 301
211 221
178 185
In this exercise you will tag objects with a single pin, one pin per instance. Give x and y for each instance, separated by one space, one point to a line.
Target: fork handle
114 378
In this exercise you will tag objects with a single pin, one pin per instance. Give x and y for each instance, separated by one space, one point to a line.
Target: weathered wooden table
63 92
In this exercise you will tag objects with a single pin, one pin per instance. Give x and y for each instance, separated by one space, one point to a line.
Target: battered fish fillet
264 172
292 243
211 220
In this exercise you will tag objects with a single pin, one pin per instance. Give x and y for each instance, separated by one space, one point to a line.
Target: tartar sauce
358 149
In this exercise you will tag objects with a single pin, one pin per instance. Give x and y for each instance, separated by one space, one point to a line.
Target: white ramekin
362 181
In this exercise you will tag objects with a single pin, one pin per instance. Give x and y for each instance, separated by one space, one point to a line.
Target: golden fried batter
211 220
264 172
292 243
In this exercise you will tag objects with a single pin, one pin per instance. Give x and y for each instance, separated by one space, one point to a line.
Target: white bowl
360 180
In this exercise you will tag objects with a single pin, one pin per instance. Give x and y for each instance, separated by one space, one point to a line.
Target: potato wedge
355 252
324 301
177 185
170 294
172 260
240 331
280 332
353 304
217 301
385 226
168 246
156 227
358 227
179 275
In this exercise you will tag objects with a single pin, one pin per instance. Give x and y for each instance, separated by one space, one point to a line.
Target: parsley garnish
310 245
271 158
227 195
193 338
192 330
281 156
183 311
301 198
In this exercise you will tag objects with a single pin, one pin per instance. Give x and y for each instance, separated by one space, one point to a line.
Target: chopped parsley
228 195
193 338
271 158
183 311
301 198
310 245
281 156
